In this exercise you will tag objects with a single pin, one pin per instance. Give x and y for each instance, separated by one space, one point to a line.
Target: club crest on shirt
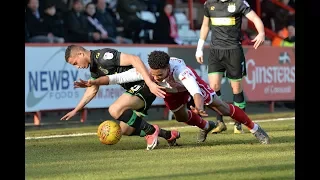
232 7
107 56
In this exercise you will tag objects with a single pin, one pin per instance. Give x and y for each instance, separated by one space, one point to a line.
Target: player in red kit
180 82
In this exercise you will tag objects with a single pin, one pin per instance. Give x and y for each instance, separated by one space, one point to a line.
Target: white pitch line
59 136
182 127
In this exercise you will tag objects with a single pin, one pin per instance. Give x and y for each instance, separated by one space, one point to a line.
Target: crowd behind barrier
145 21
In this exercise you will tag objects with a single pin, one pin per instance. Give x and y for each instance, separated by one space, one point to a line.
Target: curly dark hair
158 60
70 49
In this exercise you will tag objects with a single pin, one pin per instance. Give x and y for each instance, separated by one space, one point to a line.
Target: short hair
158 60
70 49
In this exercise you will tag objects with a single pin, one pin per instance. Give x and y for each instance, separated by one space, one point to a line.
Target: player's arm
88 95
136 62
187 78
86 98
204 30
252 16
245 9
128 76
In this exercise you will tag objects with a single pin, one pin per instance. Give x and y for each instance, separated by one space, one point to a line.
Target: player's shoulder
106 53
241 2
177 65
209 2
174 61
103 50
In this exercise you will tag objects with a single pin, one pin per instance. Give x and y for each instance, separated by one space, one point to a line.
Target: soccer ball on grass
109 132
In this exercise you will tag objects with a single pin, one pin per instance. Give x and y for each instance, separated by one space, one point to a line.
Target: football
109 132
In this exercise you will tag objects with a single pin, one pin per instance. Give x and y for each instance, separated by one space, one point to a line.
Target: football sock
195 120
138 132
131 118
146 127
238 100
165 134
240 116
218 116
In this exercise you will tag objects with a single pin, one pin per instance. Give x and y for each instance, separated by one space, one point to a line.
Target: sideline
181 127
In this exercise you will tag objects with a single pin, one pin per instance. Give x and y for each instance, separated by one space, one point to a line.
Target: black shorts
229 61
142 91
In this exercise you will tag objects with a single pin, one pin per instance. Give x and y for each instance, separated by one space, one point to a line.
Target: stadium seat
181 19
148 16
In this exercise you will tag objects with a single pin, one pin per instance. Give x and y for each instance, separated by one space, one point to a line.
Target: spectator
53 22
38 30
77 26
166 29
290 40
63 7
94 25
109 22
133 25
155 6
287 42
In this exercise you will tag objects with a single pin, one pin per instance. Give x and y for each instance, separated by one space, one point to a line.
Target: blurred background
144 21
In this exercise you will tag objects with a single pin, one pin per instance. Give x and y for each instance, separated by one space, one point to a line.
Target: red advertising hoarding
270 74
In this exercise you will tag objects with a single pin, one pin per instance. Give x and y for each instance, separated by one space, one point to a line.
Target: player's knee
215 86
115 111
236 87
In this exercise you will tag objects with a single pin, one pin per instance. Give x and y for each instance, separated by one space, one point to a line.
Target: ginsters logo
270 75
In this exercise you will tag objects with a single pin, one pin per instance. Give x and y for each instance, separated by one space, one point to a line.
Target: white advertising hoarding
49 79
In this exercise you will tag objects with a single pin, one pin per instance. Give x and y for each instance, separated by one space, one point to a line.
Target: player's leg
236 69
124 110
177 103
148 97
240 116
215 73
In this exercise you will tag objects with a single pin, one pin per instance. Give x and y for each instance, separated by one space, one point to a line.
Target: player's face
159 74
78 60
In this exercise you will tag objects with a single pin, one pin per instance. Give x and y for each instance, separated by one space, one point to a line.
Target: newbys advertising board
49 79
270 72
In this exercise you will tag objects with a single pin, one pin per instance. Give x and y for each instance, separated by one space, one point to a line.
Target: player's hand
201 112
258 40
82 84
157 90
69 115
199 57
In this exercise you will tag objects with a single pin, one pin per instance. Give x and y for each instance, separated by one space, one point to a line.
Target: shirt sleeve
188 79
128 76
109 58
206 10
244 7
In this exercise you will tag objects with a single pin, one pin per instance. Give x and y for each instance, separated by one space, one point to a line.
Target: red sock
239 115
195 120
